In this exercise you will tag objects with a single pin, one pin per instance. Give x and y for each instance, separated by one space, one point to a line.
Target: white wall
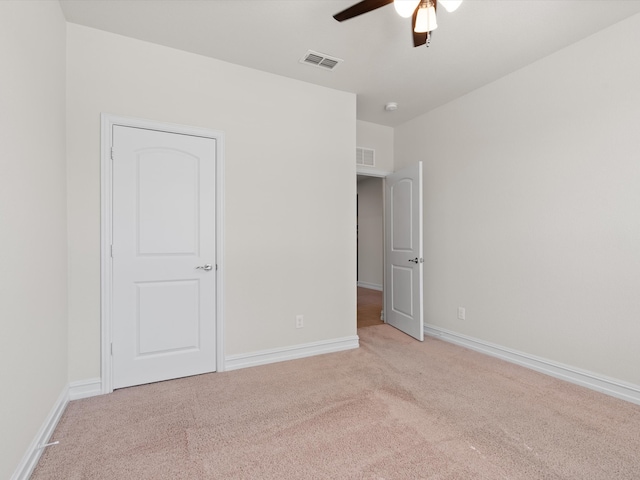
33 251
532 206
288 242
379 138
370 232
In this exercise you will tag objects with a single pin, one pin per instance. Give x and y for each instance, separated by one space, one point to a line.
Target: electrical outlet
299 321
462 313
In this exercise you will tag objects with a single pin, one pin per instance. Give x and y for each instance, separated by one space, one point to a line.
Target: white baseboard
600 383
33 453
234 362
85 388
370 286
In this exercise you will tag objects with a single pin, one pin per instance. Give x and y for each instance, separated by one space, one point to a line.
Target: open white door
403 251
164 263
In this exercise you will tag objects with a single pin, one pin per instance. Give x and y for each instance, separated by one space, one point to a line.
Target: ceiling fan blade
359 8
418 38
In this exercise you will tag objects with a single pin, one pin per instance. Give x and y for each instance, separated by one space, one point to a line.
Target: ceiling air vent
365 157
320 60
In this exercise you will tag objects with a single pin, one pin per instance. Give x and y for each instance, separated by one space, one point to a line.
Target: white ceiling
480 42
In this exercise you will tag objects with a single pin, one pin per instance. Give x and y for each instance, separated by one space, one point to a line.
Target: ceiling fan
423 13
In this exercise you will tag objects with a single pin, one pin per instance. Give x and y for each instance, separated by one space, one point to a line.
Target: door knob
414 260
206 267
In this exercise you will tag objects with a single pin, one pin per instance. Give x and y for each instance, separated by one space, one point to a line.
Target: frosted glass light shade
405 8
426 20
450 5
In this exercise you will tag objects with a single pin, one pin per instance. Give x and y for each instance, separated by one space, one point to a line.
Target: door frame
382 174
107 122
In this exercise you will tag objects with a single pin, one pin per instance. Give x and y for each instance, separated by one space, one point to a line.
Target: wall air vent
365 157
320 60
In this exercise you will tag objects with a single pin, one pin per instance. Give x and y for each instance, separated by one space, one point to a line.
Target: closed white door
164 265
403 251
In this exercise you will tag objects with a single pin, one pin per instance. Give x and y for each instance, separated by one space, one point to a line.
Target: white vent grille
320 60
365 157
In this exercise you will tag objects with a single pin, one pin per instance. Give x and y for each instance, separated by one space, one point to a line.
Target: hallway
369 307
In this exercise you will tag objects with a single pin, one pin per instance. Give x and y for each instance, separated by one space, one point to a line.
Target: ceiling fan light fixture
450 5
405 8
426 19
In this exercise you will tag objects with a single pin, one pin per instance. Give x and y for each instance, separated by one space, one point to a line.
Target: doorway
370 250
403 271
162 257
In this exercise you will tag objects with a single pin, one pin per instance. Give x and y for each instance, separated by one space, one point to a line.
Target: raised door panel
167 198
402 217
402 290
167 317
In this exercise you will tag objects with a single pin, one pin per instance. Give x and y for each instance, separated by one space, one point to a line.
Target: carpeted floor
393 409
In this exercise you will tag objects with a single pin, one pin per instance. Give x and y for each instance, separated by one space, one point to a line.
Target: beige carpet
393 409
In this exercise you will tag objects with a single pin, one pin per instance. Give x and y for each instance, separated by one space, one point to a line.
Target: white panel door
403 251
163 237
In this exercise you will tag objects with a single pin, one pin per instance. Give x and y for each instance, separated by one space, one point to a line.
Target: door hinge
216 267
111 249
111 153
112 349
